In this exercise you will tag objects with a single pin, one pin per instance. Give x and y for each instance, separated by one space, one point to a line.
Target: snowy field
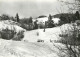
29 47
50 33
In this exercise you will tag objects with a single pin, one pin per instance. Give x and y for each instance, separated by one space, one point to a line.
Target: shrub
7 34
5 17
71 40
71 36
11 34
19 36
27 26
39 40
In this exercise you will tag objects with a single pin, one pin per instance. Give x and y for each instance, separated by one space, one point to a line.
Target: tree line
29 24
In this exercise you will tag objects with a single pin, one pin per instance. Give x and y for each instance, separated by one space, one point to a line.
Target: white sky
28 0
27 8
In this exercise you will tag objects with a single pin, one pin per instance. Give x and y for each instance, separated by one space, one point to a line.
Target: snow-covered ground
10 25
50 33
29 47
10 48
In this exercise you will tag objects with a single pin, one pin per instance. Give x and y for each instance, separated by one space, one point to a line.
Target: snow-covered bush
71 39
18 36
70 34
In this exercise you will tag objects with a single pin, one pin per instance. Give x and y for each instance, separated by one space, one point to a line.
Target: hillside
49 34
62 14
29 47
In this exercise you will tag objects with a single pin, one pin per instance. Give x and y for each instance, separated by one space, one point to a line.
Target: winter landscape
32 29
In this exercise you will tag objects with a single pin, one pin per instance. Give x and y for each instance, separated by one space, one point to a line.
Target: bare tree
74 5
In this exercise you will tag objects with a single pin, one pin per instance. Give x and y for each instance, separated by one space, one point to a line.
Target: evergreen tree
50 21
77 15
50 17
30 20
35 25
17 17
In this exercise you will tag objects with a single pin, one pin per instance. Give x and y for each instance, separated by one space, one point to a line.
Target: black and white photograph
39 28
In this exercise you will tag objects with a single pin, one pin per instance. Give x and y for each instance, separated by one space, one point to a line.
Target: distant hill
41 16
62 14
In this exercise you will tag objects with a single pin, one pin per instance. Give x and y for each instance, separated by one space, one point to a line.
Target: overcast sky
27 8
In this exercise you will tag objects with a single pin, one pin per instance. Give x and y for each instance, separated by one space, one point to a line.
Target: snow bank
10 25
